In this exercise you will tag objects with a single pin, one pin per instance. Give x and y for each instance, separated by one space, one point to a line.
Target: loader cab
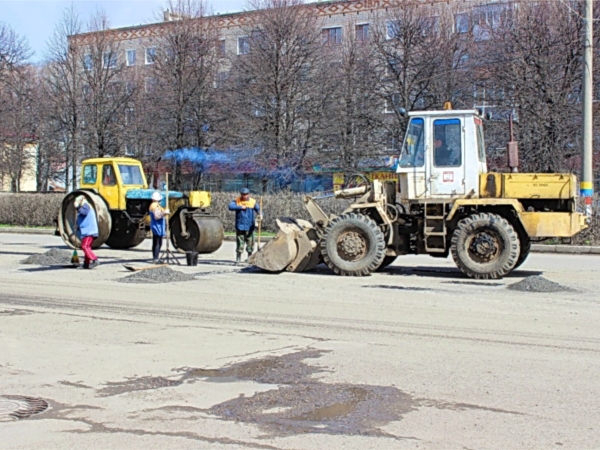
111 178
442 156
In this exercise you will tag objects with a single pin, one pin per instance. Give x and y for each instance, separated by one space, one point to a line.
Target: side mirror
403 112
488 115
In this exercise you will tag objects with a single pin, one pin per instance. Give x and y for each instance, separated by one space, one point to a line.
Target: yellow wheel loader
444 202
118 191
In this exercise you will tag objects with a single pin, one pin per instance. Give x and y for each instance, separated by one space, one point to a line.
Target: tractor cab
442 156
112 178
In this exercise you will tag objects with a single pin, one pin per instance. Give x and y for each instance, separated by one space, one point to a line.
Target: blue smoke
198 156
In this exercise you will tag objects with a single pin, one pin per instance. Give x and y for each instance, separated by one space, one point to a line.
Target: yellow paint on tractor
552 224
102 175
528 185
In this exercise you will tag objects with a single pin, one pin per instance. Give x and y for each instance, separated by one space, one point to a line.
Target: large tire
67 219
485 246
386 262
525 249
353 245
124 234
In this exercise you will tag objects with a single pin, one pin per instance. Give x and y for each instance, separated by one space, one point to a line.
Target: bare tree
106 95
63 89
352 126
181 83
14 50
532 64
276 95
19 124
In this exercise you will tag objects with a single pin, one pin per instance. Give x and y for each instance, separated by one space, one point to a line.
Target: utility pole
586 185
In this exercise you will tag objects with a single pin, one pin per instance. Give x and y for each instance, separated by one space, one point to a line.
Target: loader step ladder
434 228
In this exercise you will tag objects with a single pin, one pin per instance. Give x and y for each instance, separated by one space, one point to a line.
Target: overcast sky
36 19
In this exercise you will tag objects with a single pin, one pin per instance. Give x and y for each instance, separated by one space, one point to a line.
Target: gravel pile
53 257
537 284
157 275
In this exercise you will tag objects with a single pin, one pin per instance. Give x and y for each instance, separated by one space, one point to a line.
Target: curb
18 230
535 248
566 249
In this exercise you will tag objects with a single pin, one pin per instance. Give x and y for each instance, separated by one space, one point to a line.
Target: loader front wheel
485 246
353 245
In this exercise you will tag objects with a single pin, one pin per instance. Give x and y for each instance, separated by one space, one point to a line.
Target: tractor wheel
67 219
353 245
126 238
386 262
525 249
485 246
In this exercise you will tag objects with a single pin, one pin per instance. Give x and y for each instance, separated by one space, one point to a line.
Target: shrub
37 210
29 210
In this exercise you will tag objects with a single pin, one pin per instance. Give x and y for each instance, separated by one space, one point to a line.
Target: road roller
117 190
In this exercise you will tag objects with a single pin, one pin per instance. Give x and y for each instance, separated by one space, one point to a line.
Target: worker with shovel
87 226
245 209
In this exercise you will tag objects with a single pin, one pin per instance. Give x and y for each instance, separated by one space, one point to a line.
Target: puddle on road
298 403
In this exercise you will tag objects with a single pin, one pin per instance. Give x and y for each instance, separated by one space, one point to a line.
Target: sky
36 19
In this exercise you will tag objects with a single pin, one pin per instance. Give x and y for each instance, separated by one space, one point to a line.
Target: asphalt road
414 357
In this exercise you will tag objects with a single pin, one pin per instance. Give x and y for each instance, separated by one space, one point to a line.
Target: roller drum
67 219
203 233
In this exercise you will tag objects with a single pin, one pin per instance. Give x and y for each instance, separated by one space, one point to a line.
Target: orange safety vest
250 203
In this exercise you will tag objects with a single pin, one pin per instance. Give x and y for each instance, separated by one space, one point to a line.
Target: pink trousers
86 247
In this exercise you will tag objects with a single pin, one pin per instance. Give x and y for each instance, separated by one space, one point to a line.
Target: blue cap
244 191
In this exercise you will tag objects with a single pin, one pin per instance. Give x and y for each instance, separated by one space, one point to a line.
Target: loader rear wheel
525 249
386 262
353 245
485 246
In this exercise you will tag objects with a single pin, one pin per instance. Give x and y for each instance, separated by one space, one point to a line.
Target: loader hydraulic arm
317 215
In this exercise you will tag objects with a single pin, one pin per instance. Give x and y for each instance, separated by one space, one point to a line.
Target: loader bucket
294 248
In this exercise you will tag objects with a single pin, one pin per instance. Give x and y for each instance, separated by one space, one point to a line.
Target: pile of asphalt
538 284
53 257
157 275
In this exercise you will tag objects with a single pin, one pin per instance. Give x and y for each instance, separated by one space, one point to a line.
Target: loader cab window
447 145
90 173
413 149
108 175
131 175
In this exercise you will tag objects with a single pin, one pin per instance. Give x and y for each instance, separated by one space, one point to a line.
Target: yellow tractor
118 191
445 202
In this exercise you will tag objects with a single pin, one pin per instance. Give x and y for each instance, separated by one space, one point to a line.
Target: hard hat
80 200
156 196
244 191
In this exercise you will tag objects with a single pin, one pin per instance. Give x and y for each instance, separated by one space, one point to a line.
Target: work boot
238 259
94 264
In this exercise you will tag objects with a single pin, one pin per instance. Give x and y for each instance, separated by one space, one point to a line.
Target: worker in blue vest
247 212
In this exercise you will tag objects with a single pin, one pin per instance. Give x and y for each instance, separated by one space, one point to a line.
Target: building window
149 85
129 150
332 36
131 57
462 23
109 60
220 79
243 45
221 48
129 116
392 103
394 28
88 62
362 32
150 55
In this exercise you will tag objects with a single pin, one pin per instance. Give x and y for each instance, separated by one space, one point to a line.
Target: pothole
473 283
13 407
